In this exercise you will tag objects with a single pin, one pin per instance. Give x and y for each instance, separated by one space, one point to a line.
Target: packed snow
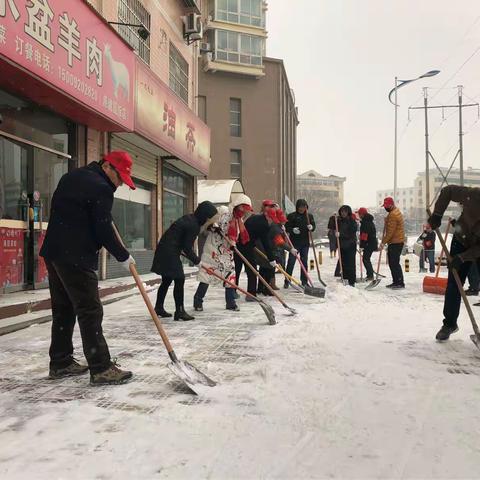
354 386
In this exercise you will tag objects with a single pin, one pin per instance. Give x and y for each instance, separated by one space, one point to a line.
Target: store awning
219 192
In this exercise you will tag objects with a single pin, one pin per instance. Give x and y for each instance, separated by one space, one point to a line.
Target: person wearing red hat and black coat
177 240
80 225
347 233
299 230
368 240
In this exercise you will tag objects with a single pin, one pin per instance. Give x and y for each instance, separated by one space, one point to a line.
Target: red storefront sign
164 119
11 255
67 45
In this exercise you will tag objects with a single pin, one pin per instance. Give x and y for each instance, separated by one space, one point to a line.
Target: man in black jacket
179 238
347 234
80 225
427 238
368 240
299 226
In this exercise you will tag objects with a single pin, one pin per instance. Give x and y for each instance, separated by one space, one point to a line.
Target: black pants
177 292
349 264
248 252
367 262
394 251
474 277
453 299
202 291
303 252
267 273
74 294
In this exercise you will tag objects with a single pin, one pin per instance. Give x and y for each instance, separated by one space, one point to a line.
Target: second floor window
178 74
132 11
235 117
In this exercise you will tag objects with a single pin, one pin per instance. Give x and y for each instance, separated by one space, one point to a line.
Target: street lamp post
394 90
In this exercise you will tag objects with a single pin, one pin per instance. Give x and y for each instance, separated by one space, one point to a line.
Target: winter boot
111 376
423 270
398 286
161 312
369 279
471 291
445 332
390 285
71 370
182 315
286 284
233 307
197 305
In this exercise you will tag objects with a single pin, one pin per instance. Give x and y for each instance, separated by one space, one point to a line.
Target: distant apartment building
246 100
405 199
324 195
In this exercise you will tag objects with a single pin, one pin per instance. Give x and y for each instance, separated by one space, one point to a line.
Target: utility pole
395 148
428 153
460 133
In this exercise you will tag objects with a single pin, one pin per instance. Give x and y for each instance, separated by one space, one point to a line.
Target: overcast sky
341 58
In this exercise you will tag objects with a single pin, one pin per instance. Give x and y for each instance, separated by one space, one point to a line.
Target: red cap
362 211
388 202
122 163
268 203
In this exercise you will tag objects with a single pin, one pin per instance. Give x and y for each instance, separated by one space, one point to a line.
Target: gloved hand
273 263
294 252
310 227
435 220
126 264
296 230
456 262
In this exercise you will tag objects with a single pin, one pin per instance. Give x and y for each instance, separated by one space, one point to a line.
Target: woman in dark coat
347 229
178 239
332 239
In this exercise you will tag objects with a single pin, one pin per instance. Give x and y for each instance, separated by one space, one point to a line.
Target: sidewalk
22 309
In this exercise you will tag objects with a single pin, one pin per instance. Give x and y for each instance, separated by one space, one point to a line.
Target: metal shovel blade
268 312
191 376
373 284
315 291
476 340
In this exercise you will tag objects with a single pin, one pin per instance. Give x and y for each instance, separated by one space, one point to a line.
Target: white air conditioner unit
192 24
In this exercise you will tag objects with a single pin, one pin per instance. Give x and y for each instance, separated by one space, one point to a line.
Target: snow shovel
474 338
191 376
337 234
265 307
307 289
436 284
310 236
260 278
302 266
374 283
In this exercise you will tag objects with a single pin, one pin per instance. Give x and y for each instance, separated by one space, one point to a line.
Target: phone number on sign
75 82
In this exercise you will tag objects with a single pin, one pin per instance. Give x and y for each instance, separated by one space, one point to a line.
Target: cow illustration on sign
120 75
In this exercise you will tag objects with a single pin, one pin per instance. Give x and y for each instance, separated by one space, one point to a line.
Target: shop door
28 178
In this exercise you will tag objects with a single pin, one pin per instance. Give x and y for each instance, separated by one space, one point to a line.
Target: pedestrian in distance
218 254
80 225
394 237
347 235
300 224
427 238
368 240
332 238
464 249
176 241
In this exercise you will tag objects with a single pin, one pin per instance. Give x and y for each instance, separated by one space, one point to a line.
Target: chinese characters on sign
11 255
72 49
169 119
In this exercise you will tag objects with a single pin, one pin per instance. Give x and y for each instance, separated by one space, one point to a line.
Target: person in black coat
368 240
178 240
299 226
332 238
80 224
258 228
427 238
347 234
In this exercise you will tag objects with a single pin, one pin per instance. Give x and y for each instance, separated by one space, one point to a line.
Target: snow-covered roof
219 192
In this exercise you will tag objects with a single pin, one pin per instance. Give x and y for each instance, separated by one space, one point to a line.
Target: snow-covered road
353 387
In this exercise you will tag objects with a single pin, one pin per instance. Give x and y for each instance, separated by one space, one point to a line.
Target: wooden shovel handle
442 251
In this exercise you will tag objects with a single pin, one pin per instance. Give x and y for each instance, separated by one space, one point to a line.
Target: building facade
74 87
324 195
246 100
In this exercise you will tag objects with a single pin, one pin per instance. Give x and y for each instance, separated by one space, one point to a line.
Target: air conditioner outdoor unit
192 24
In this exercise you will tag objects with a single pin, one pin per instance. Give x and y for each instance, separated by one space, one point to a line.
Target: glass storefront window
132 214
175 196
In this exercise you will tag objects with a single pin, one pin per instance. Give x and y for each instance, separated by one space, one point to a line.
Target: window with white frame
238 48
246 12
178 74
235 117
236 164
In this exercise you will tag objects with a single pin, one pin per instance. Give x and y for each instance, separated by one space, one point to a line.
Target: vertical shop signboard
11 256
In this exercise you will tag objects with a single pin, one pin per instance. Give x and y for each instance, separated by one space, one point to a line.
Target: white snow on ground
352 387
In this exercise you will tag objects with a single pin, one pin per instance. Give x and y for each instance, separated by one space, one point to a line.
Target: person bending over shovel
178 240
464 250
